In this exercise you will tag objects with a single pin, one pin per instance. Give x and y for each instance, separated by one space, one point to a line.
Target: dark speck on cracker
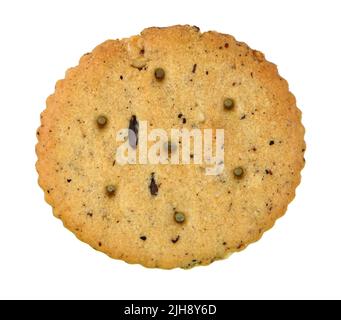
133 132
153 187
176 239
194 68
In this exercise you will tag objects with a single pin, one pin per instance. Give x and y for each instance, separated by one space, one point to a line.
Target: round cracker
263 135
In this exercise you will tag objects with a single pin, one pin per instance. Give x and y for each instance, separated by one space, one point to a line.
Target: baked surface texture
224 214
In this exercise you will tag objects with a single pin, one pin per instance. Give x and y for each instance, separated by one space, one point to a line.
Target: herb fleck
153 187
175 240
194 68
133 132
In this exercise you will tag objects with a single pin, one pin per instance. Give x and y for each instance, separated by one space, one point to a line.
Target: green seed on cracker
110 189
169 147
102 121
238 172
179 217
228 104
159 74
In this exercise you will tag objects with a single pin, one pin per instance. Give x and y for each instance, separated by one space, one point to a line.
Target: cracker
128 212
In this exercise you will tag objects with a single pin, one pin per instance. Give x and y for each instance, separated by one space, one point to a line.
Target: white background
299 258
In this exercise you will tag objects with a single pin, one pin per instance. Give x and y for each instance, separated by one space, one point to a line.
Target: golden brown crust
264 134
